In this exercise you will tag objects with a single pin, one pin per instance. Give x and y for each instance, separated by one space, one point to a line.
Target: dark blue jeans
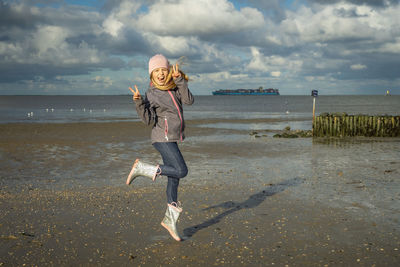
174 167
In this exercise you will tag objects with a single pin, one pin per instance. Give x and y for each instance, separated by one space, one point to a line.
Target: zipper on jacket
166 128
179 113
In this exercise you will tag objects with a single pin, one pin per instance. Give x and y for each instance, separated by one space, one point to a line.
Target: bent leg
174 163
174 167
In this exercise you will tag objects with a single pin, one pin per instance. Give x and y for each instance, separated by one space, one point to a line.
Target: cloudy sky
103 47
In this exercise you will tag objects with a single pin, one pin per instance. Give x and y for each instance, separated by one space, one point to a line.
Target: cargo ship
259 91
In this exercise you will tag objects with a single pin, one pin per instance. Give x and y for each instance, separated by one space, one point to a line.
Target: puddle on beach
215 138
194 115
356 174
296 125
350 174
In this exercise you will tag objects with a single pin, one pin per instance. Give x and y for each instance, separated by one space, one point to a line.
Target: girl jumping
162 109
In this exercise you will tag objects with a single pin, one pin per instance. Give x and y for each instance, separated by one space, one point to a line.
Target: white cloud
273 40
340 21
112 26
50 37
275 73
172 45
358 67
317 78
263 63
257 62
53 48
198 17
48 45
105 81
218 77
47 42
120 17
392 47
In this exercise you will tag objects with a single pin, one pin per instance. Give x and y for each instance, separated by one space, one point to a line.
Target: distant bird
52 110
84 109
104 110
47 110
71 109
90 111
287 112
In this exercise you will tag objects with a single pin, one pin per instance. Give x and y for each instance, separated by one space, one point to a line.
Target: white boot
170 219
142 169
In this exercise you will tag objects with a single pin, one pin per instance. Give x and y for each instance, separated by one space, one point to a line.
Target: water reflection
297 125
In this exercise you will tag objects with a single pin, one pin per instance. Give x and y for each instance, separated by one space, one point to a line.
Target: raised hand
136 93
175 71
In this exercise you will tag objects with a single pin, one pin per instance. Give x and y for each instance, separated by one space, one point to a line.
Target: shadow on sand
252 202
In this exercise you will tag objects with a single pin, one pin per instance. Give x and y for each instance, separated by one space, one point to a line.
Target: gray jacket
163 111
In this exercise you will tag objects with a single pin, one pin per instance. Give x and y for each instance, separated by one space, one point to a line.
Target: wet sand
247 201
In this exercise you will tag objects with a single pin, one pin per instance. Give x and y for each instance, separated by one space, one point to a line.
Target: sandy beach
247 201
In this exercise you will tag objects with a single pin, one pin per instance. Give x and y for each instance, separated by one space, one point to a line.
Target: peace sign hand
136 93
175 71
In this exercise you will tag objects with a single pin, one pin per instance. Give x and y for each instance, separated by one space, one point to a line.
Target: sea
115 108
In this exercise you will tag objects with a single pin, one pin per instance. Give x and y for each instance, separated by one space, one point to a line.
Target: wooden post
380 124
351 125
313 116
335 125
392 128
313 109
314 94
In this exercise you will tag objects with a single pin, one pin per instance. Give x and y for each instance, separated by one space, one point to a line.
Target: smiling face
160 75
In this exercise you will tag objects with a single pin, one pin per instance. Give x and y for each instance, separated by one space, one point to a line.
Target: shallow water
298 125
60 109
352 174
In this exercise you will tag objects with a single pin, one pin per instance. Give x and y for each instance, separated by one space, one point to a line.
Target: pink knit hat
158 61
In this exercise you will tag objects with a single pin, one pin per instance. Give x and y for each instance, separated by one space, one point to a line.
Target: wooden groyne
341 125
